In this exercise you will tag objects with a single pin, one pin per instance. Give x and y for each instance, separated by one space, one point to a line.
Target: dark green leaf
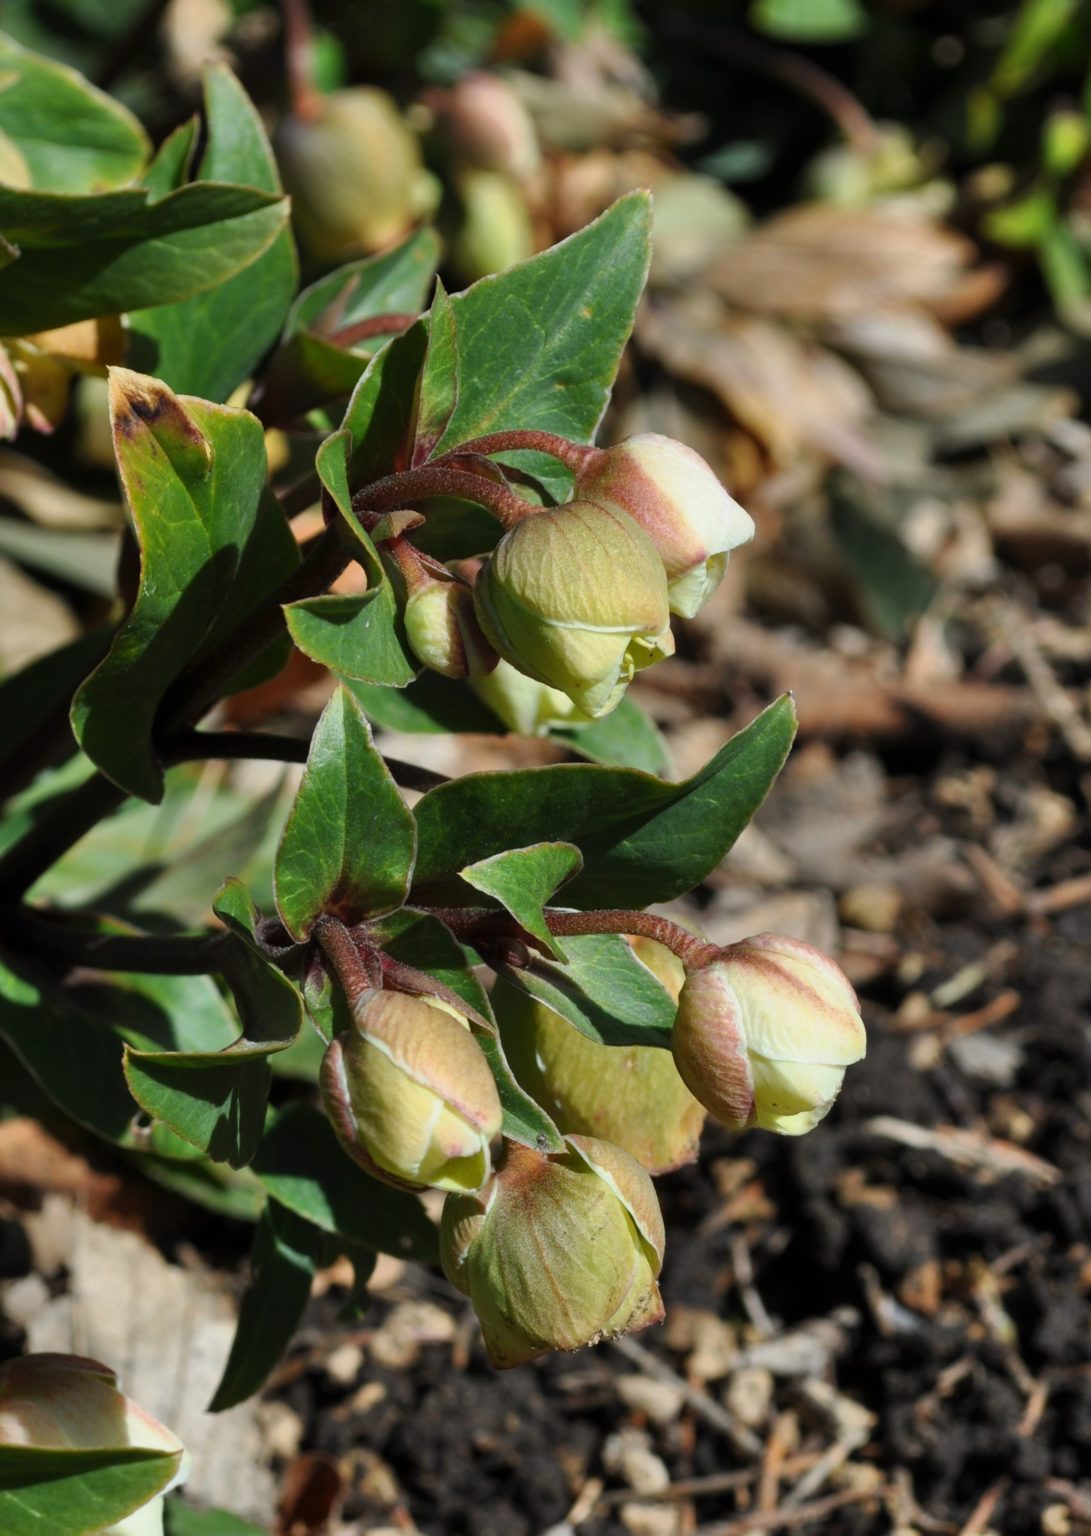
356 636
432 705
208 344
301 1164
230 1192
270 1008
212 545
170 168
31 698
603 990
523 879
625 738
117 251
283 1260
439 383
349 842
181 1520
891 589
72 137
642 840
70 1492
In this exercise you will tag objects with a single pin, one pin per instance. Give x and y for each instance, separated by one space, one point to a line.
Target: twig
1061 897
703 1406
783 1519
983 1510
969 1149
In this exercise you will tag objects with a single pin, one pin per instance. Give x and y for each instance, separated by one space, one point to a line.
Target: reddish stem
339 948
412 485
471 923
299 60
375 325
574 456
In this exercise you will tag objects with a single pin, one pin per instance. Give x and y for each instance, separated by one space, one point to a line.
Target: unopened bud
630 1095
354 174
442 629
494 230
575 596
763 1035
487 125
670 491
67 1403
410 1094
558 1251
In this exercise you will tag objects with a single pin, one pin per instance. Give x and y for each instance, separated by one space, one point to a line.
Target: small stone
24 1299
874 908
1056 1520
749 1395
343 1365
410 1325
281 1427
629 1455
661 1401
651 1519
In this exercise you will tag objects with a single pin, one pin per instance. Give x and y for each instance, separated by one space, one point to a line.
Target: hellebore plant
509 575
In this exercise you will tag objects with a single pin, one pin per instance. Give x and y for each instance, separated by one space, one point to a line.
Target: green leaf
642 840
539 344
208 344
350 839
170 168
810 21
523 879
301 1164
355 636
439 378
283 1260
213 544
421 940
270 1008
603 990
311 366
624 738
432 705
72 137
84 559
181 1520
230 1192
117 251
29 698
891 589
70 1492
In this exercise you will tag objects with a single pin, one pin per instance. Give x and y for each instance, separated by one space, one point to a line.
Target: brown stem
197 746
412 485
406 978
339 948
574 456
160 955
375 325
472 923
299 60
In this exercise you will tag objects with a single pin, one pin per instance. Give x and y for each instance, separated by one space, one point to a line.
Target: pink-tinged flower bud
575 596
410 1094
763 1035
68 1403
630 1095
682 507
442 629
485 123
558 1251
354 173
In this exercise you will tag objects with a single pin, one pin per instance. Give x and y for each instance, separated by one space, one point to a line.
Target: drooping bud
670 491
55 1403
494 230
440 623
354 173
486 124
575 596
630 1095
763 1035
558 1251
524 705
410 1094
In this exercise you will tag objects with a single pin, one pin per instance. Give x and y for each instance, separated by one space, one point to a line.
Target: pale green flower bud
630 1095
763 1035
66 1402
525 706
442 629
354 173
670 491
494 229
558 1251
410 1094
575 597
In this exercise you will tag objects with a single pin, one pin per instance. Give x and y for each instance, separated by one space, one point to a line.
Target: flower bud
525 706
575 597
410 1094
494 230
682 507
486 124
442 629
763 1035
354 174
65 1402
630 1095
558 1251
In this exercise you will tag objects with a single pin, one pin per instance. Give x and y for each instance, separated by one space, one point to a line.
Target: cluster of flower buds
68 1403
